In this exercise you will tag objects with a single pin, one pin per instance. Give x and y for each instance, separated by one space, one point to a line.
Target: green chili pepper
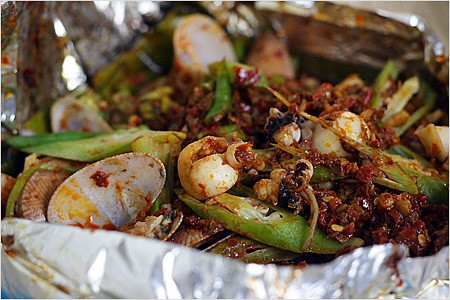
21 142
288 232
22 180
227 73
240 45
233 70
223 102
435 189
227 130
323 174
102 145
251 251
390 70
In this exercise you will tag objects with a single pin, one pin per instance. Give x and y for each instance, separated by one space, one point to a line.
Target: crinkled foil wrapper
80 263
53 261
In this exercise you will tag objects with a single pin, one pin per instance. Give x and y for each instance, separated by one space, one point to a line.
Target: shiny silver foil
53 261
79 263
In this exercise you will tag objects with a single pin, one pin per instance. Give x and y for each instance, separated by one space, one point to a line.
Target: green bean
21 142
288 232
435 189
100 146
223 103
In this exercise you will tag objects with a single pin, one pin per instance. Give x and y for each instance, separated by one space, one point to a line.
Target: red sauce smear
100 178
246 77
90 225
365 173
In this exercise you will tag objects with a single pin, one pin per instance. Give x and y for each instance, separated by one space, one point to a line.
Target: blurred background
434 13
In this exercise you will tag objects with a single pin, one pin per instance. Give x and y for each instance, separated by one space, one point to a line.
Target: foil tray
54 261
79 263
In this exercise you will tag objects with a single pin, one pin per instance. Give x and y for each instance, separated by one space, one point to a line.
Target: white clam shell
271 55
199 41
70 114
133 180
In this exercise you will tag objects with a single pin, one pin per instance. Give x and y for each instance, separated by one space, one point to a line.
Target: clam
161 226
199 41
196 235
69 114
109 193
39 188
8 183
271 55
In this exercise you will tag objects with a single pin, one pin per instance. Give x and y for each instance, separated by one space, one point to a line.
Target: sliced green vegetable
408 153
236 71
269 255
436 190
277 80
390 70
428 181
20 141
282 229
227 130
323 174
240 45
39 123
429 99
223 102
22 180
251 251
231 73
401 97
101 146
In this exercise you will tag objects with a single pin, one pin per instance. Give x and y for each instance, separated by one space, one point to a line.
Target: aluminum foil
80 263
52 261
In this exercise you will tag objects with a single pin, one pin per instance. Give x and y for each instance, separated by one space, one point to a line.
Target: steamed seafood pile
248 157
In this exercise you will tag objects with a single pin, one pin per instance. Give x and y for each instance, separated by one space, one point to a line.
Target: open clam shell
199 41
39 188
271 55
37 193
8 183
69 114
160 227
108 193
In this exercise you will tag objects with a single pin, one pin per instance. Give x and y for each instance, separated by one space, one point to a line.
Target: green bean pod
281 229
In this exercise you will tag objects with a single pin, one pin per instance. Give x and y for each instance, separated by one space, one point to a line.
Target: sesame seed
422 240
327 198
337 228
